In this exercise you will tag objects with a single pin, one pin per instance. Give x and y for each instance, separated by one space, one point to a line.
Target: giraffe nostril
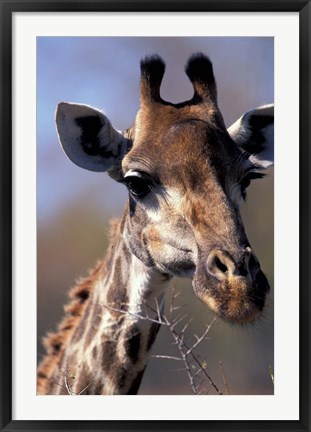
220 265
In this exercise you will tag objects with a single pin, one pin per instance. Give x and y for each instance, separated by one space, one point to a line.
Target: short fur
182 220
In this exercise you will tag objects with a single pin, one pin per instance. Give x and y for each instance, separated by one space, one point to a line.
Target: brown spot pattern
134 387
133 343
109 353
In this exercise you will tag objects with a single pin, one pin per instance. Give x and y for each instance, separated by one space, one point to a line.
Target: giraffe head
186 175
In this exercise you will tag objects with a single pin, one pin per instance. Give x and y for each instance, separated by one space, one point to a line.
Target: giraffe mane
55 342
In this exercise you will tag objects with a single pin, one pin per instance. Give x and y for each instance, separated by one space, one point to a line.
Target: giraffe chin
233 312
239 303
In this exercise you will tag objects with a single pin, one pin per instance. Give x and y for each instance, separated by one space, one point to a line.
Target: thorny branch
65 382
194 367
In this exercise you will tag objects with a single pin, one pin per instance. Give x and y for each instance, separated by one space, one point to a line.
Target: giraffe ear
88 138
254 133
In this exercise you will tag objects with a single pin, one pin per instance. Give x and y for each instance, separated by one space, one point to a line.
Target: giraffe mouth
185 269
178 263
183 265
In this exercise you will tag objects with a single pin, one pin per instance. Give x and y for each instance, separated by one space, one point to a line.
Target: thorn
177 321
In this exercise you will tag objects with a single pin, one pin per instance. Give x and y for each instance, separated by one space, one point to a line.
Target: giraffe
186 175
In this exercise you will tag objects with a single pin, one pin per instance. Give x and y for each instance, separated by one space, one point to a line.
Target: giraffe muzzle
235 289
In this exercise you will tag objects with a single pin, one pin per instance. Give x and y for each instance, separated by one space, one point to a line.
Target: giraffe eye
138 185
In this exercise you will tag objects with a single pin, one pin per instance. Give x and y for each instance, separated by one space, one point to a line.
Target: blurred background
74 205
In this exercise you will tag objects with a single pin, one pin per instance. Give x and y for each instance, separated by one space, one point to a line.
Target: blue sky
104 72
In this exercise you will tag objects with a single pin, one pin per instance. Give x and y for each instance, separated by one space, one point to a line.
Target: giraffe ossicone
186 175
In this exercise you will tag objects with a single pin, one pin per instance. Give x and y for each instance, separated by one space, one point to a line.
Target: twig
223 377
65 371
195 359
176 321
199 340
142 317
166 357
193 366
85 388
65 385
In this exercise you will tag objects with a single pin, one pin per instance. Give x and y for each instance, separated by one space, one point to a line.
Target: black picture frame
8 7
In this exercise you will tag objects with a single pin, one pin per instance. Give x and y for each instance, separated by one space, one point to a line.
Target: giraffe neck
109 349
